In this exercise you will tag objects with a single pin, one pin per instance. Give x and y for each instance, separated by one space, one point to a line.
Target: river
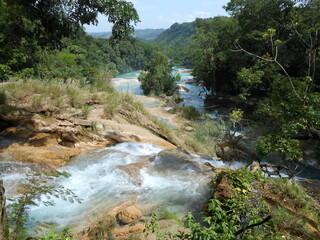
102 178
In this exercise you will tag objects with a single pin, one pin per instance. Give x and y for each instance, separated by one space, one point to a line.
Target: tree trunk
3 215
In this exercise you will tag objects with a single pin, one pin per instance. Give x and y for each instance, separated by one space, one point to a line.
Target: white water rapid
100 178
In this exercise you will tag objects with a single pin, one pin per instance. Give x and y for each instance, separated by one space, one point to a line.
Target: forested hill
140 34
176 35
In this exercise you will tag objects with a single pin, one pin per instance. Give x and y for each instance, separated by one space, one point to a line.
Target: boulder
223 190
133 170
129 215
175 160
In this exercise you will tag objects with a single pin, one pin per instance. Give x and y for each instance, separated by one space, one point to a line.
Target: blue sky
163 13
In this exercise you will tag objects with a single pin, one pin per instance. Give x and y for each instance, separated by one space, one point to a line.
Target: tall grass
204 136
3 97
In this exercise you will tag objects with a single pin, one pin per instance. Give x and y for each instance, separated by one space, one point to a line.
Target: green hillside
141 34
177 35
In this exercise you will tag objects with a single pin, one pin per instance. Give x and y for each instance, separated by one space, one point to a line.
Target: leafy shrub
223 220
156 78
189 112
30 194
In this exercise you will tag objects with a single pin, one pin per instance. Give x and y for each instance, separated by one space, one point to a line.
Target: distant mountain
147 34
141 34
100 34
177 35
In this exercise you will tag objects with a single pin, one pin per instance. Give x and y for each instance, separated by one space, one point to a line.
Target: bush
156 78
189 112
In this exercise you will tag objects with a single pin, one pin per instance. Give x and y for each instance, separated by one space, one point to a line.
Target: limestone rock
175 160
255 167
16 132
129 214
133 170
123 232
82 122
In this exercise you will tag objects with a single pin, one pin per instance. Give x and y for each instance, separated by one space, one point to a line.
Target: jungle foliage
156 78
267 53
45 39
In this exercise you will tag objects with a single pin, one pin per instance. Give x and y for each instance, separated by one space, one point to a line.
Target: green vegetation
156 77
147 34
27 30
140 34
31 193
174 42
249 206
267 53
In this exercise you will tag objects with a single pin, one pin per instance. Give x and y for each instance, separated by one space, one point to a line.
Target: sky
163 13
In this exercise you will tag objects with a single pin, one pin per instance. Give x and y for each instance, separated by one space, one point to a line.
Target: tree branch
253 225
275 61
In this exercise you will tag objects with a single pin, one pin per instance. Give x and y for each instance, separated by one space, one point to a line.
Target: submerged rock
175 160
133 170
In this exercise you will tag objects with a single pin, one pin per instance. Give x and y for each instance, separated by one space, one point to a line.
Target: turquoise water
129 75
128 82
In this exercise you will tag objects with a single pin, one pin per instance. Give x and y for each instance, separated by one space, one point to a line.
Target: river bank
110 172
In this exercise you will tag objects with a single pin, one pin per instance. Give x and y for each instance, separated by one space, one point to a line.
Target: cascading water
99 178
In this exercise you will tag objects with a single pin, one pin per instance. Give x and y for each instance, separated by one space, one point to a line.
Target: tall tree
156 77
31 25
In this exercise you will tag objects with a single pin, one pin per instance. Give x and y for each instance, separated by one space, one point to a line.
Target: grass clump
166 214
85 110
294 208
187 112
204 136
3 97
290 224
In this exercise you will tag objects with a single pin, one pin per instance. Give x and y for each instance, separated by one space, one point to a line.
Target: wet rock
68 139
175 160
223 190
128 137
41 148
16 132
183 88
129 214
133 170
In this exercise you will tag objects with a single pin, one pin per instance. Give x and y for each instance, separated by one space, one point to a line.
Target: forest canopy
32 29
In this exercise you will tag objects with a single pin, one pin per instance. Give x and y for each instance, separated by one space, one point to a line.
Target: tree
156 77
210 54
31 193
288 71
29 26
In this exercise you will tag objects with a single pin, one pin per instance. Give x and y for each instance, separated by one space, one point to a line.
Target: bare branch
275 61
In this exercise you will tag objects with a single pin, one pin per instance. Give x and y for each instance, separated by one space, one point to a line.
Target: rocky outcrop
126 213
52 140
129 215
175 160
